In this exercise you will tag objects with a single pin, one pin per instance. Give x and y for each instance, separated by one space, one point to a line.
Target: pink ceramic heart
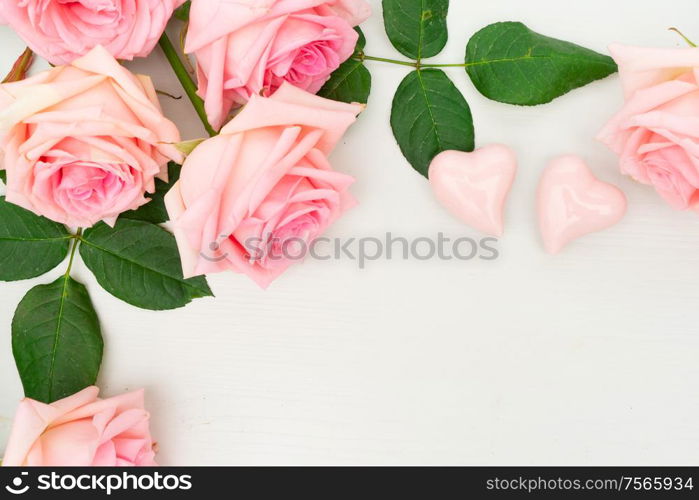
573 203
474 186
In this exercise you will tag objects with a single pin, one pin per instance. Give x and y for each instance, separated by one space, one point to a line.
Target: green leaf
182 12
139 263
416 28
351 82
56 340
30 245
154 211
361 42
3 176
429 116
510 63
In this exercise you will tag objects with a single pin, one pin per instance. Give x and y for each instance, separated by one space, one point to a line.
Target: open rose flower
84 142
63 30
656 134
249 47
253 198
81 430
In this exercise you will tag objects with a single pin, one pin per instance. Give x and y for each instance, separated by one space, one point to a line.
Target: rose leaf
154 211
351 82
56 340
416 28
429 116
138 262
30 245
510 63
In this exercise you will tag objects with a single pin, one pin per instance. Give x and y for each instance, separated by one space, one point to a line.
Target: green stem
462 65
412 64
364 57
689 42
76 242
186 80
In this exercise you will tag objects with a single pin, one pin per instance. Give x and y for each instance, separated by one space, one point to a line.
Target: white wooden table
590 357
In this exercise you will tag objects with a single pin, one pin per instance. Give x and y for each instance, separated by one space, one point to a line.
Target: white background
590 357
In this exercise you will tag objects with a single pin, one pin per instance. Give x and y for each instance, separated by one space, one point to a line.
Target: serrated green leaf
429 116
30 245
154 211
351 82
416 28
182 12
510 63
56 340
139 263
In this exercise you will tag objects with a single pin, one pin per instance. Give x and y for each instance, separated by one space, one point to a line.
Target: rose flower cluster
86 140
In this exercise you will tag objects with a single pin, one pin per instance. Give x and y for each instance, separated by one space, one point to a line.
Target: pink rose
253 197
81 430
249 47
83 142
656 134
62 30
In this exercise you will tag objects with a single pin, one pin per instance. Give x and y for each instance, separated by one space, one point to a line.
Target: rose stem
691 43
21 66
364 57
77 238
412 64
186 80
457 65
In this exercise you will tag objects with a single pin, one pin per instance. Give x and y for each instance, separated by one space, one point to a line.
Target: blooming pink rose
656 134
83 142
81 430
251 199
63 30
248 47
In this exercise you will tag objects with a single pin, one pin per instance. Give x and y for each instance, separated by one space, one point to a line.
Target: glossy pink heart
474 186
573 202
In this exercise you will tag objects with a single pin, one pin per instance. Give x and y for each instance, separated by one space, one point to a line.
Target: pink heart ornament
474 186
572 202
